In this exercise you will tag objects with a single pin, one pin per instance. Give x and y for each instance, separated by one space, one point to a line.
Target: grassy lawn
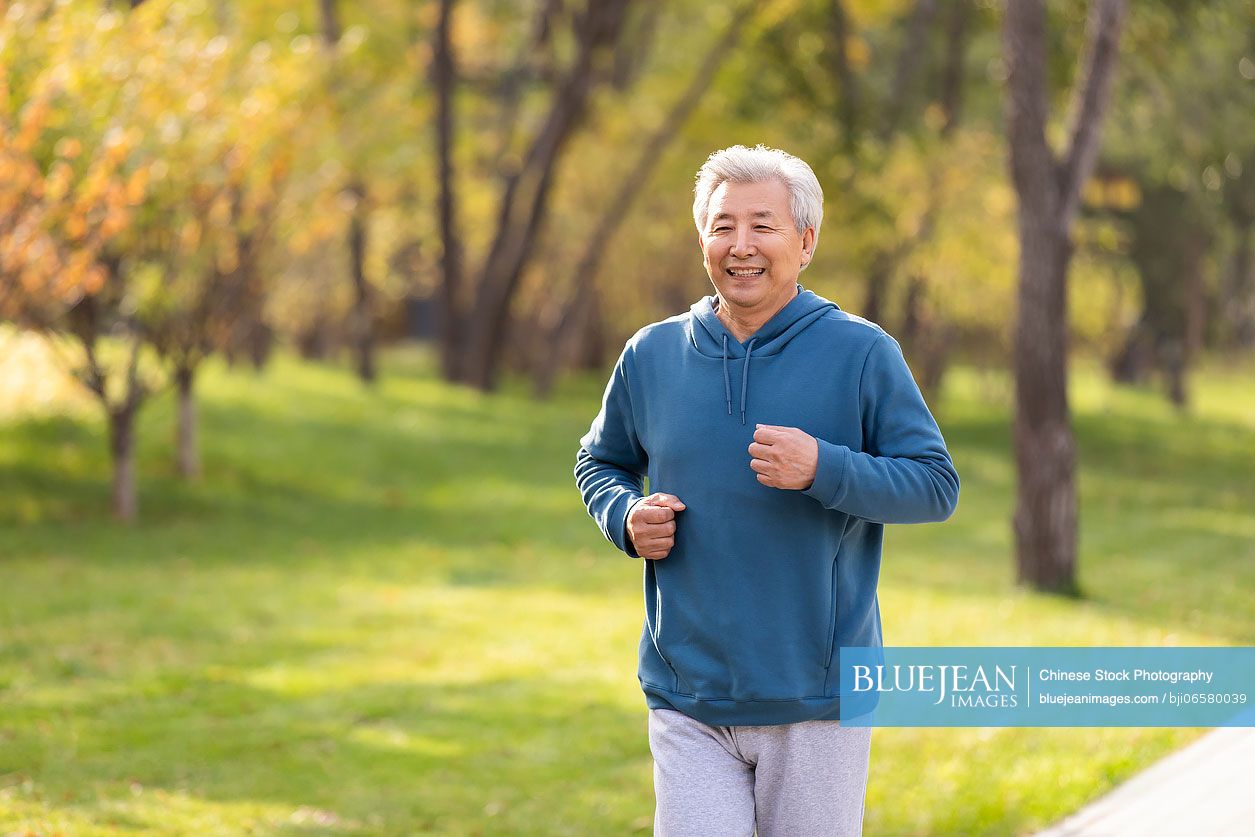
387 612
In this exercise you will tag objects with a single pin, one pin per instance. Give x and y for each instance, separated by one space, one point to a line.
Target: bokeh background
304 308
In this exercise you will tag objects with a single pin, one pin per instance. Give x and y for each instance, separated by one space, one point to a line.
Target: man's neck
745 325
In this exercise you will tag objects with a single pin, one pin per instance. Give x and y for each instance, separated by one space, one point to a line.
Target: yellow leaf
189 236
57 186
69 148
75 227
94 279
137 186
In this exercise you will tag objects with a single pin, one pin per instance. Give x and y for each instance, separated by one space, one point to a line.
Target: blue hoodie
744 618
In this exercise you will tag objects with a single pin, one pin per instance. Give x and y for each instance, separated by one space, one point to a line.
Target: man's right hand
651 525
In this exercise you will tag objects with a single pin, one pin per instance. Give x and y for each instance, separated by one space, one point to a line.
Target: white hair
760 164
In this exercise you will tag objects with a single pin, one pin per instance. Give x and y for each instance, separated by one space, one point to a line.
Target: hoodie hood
711 338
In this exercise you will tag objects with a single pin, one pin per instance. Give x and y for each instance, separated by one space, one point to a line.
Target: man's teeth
745 271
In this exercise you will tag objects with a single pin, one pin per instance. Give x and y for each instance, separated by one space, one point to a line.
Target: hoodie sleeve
611 463
904 473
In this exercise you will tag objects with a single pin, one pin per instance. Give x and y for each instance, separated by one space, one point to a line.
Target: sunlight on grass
386 611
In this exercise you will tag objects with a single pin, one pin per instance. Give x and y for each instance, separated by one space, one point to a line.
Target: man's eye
762 227
721 229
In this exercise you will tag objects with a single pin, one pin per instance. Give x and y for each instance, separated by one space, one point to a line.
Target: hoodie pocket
826 662
653 634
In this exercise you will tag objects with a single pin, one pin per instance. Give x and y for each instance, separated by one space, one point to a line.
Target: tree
68 194
579 315
362 317
208 245
473 337
355 212
199 237
1167 243
888 109
1048 190
1190 220
444 76
140 211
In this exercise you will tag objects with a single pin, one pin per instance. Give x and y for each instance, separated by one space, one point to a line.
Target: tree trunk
122 451
1239 296
188 450
499 281
909 59
361 321
330 22
564 337
261 340
1135 359
1045 519
444 75
1190 348
1195 295
315 342
953 75
926 339
590 344
1168 246
1046 510
363 324
877 286
848 105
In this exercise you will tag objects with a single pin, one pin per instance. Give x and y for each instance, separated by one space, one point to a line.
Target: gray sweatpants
791 780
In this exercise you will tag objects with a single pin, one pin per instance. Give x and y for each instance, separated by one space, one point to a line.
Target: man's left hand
784 457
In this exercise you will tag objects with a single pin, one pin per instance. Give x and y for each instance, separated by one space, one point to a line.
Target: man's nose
743 246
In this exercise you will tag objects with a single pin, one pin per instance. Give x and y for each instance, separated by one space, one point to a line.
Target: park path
1204 790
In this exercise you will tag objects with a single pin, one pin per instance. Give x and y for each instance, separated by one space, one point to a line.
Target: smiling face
752 249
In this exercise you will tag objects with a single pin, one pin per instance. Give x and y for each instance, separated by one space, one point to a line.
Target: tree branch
1090 101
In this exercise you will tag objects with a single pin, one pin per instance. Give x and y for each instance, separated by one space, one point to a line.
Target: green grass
387 612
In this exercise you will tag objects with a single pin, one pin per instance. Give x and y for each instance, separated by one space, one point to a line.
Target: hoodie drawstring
745 376
709 337
727 382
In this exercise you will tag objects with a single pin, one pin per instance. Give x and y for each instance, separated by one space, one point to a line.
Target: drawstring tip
742 417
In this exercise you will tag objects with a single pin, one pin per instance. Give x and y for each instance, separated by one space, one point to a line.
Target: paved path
1204 790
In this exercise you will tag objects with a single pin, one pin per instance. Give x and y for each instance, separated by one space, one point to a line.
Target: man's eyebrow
762 213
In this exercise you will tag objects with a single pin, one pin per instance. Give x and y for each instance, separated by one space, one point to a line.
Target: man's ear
808 245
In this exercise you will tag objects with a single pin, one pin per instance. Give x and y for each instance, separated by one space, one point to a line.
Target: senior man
779 434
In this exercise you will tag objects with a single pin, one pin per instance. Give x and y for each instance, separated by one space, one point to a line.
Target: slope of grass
387 612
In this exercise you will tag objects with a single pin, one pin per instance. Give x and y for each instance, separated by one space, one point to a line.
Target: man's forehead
768 199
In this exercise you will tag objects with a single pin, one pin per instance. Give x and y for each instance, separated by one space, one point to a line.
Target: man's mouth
745 272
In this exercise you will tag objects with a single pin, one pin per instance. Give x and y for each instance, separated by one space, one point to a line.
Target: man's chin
752 295
741 300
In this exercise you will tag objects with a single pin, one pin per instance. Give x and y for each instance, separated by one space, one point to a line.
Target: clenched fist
784 457
651 525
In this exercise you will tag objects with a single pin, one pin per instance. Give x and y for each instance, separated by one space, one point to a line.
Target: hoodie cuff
829 474
618 526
